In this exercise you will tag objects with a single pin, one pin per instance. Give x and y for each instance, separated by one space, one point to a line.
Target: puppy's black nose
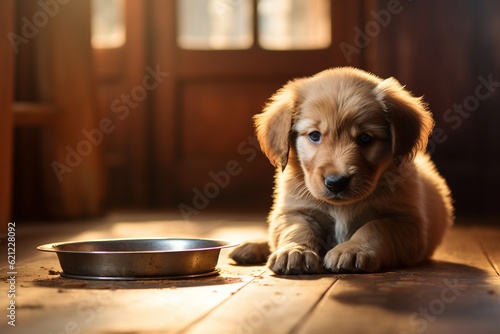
336 183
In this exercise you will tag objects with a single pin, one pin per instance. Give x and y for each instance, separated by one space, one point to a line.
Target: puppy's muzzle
336 183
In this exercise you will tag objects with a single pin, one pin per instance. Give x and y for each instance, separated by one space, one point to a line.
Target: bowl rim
53 247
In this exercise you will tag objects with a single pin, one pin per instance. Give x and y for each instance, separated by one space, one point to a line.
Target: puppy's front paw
352 257
251 253
293 260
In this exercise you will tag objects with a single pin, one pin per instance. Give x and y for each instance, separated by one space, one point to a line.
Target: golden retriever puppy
355 190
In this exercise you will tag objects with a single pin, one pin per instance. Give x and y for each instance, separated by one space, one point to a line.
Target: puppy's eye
315 136
364 139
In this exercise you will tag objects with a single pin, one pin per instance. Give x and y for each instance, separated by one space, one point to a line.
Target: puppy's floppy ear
410 121
273 126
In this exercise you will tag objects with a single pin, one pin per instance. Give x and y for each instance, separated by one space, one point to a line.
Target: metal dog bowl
137 259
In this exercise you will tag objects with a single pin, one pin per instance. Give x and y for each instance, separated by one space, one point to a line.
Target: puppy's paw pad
294 260
251 253
349 257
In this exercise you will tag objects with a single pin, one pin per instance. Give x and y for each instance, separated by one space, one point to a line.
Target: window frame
257 61
255 34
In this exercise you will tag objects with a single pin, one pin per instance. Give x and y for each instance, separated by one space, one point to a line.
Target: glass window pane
294 24
215 24
108 25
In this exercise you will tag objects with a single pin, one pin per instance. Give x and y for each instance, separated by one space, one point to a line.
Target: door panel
218 115
216 137
202 118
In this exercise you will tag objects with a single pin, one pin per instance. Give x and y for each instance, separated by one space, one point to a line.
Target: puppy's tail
248 253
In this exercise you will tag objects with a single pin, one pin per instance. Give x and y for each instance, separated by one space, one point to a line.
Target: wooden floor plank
457 292
270 304
51 304
489 238
48 303
462 245
383 304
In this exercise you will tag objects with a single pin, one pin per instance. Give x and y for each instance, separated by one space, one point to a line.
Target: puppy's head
346 127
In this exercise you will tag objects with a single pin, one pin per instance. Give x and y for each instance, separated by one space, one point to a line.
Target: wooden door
57 170
6 117
453 60
120 67
204 152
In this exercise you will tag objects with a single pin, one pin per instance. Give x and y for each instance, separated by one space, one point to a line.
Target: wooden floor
457 292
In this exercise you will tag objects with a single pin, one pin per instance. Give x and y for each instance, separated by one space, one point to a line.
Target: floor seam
304 318
485 252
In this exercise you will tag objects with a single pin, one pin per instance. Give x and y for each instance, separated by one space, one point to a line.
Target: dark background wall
198 119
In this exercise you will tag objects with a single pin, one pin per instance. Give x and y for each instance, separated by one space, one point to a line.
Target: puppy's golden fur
355 191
